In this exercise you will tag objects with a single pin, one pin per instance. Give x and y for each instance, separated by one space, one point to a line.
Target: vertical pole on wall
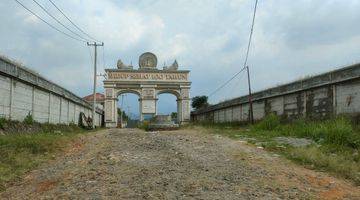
33 102
305 104
11 97
60 111
95 45
49 108
251 114
68 110
334 99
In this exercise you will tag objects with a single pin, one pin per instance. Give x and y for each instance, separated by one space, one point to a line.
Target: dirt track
184 164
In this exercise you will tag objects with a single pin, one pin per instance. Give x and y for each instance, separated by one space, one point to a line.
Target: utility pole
95 45
251 114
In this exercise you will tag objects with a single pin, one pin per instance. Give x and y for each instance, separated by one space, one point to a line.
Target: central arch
124 91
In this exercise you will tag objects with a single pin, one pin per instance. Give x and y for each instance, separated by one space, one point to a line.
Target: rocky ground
183 164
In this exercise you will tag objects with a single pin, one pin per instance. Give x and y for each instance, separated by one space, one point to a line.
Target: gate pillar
147 101
110 108
184 106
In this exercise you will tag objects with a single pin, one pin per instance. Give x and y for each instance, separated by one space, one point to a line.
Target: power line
58 21
247 53
251 33
236 83
53 27
77 27
223 85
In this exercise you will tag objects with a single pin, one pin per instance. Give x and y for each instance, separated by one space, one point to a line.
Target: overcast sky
292 39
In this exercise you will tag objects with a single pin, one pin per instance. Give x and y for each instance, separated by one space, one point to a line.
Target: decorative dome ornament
148 60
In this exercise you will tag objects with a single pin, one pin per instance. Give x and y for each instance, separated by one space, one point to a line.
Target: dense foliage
125 117
174 115
199 102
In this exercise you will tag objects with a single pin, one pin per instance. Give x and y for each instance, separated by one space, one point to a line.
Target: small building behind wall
100 101
24 92
319 97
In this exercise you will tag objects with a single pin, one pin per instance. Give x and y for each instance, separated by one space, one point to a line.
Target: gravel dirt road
183 164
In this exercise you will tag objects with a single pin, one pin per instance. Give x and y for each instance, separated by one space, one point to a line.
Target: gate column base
110 124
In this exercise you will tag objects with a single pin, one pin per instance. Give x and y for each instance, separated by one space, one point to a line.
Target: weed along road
182 164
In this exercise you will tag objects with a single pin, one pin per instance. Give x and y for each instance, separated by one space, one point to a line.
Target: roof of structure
99 97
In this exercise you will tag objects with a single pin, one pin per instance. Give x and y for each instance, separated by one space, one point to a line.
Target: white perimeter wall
5 96
344 99
18 99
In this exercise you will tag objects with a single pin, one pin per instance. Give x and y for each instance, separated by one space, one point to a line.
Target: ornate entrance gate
147 82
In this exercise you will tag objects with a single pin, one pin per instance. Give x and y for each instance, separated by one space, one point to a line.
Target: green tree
123 114
199 102
174 115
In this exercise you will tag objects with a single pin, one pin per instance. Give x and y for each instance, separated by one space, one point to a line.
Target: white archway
147 82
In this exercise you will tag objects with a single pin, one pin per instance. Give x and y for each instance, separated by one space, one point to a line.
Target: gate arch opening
128 109
167 104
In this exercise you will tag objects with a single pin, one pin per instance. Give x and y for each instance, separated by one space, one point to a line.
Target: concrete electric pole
251 114
95 45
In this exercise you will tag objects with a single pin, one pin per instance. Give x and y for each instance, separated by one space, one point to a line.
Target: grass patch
2 122
20 153
336 148
145 125
341 162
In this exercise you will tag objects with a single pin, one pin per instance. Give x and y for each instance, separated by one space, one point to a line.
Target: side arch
176 93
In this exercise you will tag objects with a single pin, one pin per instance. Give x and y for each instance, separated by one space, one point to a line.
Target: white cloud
291 38
31 20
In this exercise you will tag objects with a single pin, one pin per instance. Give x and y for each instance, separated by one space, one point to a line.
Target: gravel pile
295 142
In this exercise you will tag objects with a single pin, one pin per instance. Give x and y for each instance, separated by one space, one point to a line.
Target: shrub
2 122
145 125
269 123
29 119
340 132
337 131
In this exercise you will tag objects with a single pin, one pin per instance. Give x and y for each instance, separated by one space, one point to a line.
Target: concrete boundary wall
23 91
328 94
